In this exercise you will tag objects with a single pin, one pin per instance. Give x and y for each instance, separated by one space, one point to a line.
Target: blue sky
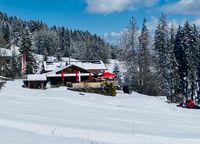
104 17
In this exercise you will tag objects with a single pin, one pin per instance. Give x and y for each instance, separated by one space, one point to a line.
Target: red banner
23 61
62 75
90 76
77 76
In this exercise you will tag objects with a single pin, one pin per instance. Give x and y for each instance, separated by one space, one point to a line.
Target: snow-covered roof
5 52
37 77
4 78
1 81
43 77
51 66
92 65
87 65
68 75
60 69
8 52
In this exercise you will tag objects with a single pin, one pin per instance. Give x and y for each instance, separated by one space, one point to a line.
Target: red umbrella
108 74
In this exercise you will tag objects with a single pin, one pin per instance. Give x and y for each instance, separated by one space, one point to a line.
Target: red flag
23 60
62 75
77 75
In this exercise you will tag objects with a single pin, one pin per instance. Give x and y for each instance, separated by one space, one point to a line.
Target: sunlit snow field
60 116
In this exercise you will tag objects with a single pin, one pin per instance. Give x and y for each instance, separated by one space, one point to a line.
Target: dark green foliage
180 56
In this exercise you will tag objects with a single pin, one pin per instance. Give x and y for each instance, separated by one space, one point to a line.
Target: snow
37 77
5 52
2 81
4 78
93 66
61 116
8 52
50 74
99 65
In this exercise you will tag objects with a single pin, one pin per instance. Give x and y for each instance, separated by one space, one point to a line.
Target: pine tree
175 83
144 59
118 74
14 68
47 43
162 54
180 55
17 28
26 50
190 41
5 31
129 52
195 49
64 42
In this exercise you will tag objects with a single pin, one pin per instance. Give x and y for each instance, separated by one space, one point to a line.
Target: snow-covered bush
109 89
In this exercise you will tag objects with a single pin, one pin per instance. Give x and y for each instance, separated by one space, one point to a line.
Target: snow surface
37 77
60 116
8 52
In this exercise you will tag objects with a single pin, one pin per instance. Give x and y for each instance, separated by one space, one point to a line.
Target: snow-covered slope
60 116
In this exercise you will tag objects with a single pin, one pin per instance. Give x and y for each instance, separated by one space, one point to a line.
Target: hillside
61 116
57 41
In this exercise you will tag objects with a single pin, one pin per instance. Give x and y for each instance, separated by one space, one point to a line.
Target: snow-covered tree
144 61
180 55
27 50
162 54
118 74
5 31
14 69
175 82
190 41
46 42
129 44
17 28
64 36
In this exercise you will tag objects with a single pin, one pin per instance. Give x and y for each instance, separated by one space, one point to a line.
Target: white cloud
114 37
110 6
197 21
183 7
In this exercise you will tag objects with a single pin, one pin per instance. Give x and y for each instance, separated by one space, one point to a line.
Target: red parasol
108 74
